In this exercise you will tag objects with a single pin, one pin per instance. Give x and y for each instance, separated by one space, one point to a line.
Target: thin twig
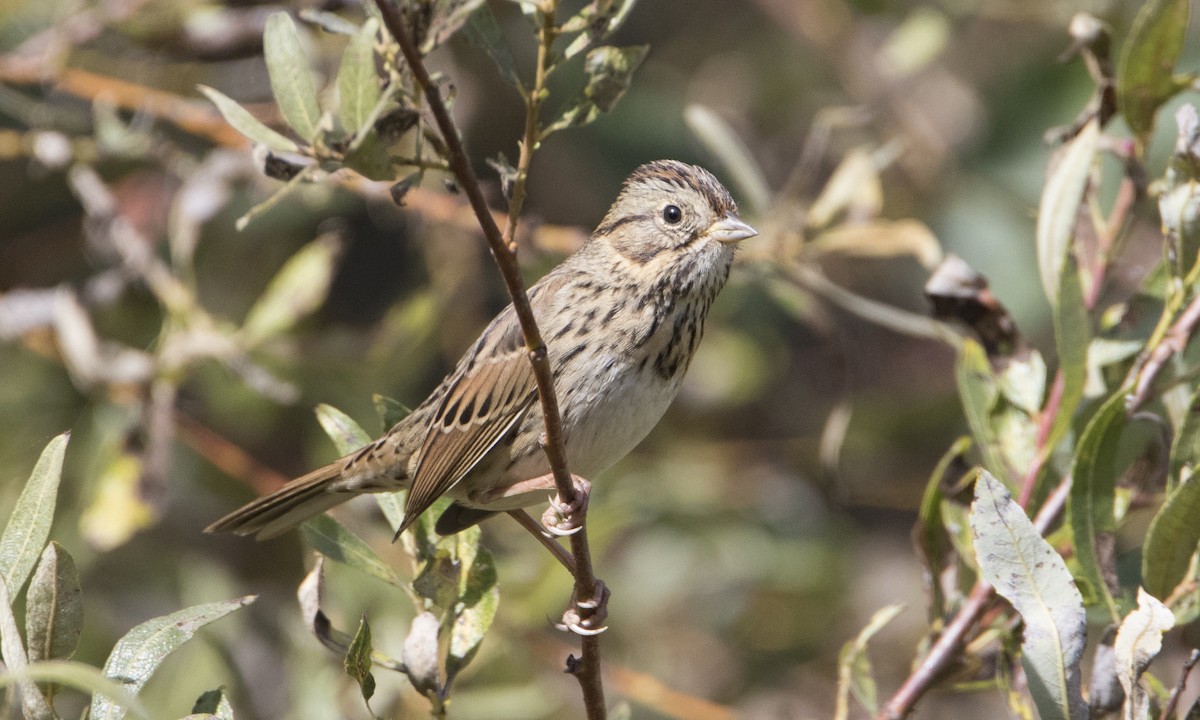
586 586
1175 340
1172 701
535 529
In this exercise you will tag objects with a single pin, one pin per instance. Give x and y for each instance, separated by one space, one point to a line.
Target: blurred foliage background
754 531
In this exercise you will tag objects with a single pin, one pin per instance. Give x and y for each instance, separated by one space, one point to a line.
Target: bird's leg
586 616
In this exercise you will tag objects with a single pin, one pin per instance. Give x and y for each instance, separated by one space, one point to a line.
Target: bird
621 319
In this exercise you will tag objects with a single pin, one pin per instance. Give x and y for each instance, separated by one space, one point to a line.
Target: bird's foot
564 518
587 616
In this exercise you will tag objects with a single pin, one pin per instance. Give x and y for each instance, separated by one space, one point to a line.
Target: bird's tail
287 507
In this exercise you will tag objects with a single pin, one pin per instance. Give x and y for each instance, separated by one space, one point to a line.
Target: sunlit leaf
930 533
298 289
333 540
245 123
479 595
1172 539
139 653
117 510
347 435
357 81
1090 505
79 676
12 652
1145 78
1139 640
1023 382
854 188
328 22
1027 572
358 660
1059 206
854 666
54 607
1072 334
880 239
978 392
28 527
291 79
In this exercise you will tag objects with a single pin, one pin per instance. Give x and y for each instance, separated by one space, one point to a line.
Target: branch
588 670
1175 340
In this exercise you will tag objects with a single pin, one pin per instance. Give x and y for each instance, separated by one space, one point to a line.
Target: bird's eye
672 214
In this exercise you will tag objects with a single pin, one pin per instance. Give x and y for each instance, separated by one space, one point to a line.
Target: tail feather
287 507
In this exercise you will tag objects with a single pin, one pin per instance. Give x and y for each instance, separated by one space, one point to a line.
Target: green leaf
309 594
28 527
1072 334
479 595
1027 572
358 660
1023 382
1090 505
1139 640
291 79
390 411
333 540
54 607
854 666
347 435
357 81
727 147
12 652
329 22
245 123
608 72
137 655
484 32
1171 540
1186 448
298 289
597 21
978 392
1059 207
80 677
214 703
1145 72
930 533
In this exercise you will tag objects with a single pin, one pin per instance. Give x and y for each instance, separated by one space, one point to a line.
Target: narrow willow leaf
137 655
333 540
607 72
597 21
291 79
28 527
484 32
298 289
727 147
357 81
346 434
390 411
214 703
54 607
1027 572
930 534
245 123
309 594
84 678
421 654
1171 540
854 666
978 392
1145 78
1072 334
1023 382
358 660
1139 640
329 22
1090 505
1059 206
479 595
1185 450
12 651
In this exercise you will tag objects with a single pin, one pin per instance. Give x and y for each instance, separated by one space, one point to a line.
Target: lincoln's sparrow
621 319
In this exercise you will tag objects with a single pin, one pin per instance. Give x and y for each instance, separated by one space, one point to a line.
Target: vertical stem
586 586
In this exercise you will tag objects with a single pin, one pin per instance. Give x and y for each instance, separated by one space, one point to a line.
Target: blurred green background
742 549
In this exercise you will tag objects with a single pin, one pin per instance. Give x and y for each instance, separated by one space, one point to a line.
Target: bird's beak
730 230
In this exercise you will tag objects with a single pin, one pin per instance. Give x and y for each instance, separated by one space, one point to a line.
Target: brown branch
1172 701
1174 341
586 585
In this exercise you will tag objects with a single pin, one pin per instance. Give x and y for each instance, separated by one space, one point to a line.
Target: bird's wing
488 394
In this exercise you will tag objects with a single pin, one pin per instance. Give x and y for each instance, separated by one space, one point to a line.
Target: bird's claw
586 617
563 518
